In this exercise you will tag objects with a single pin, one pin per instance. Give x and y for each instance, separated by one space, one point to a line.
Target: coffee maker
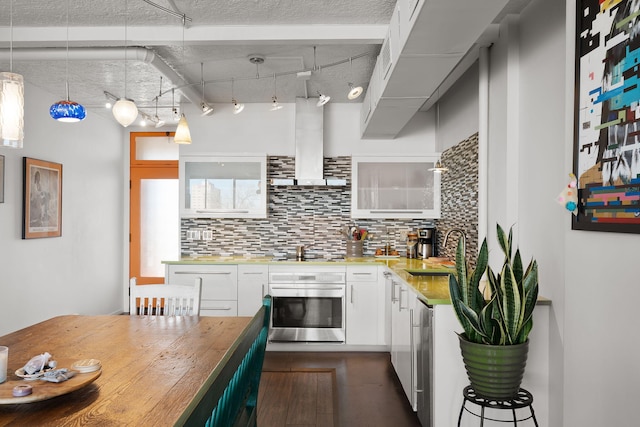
427 242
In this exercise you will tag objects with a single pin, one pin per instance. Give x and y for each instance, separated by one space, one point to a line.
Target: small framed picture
42 199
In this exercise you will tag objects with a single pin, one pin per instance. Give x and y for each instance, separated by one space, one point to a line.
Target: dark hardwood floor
366 391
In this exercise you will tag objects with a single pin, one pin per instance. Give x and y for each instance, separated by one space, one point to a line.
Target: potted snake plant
495 342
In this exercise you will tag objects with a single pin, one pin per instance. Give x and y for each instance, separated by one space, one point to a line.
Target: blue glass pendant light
67 110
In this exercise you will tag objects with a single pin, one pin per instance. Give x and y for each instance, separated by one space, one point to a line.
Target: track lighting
156 119
274 104
237 108
206 109
354 91
322 99
274 99
147 119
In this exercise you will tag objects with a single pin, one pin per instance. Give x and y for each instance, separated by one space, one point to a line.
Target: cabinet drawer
224 308
253 273
356 273
219 282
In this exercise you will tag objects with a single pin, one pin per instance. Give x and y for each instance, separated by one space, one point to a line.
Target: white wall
593 364
601 295
258 130
79 272
459 110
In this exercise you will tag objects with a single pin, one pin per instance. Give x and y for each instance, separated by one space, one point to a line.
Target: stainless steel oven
307 305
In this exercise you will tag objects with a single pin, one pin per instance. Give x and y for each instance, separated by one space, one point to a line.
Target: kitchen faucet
462 237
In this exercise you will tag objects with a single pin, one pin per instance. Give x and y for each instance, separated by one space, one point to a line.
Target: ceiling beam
206 34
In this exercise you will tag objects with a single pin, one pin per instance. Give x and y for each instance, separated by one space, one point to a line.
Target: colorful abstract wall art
607 115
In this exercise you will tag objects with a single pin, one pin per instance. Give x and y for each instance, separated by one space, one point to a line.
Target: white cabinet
223 186
395 187
253 281
403 349
365 306
219 286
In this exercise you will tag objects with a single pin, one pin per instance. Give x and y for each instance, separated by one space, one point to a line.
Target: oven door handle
314 288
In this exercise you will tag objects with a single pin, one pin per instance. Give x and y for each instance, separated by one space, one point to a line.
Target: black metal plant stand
522 400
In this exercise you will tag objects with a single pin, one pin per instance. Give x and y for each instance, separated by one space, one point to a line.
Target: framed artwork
42 199
606 153
1 179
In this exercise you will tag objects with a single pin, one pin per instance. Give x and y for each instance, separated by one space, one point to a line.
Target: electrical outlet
207 235
403 234
193 234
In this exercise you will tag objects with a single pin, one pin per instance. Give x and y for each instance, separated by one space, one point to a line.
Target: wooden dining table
151 367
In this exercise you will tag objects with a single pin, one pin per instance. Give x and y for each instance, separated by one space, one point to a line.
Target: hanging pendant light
11 101
354 91
439 167
182 135
237 107
125 110
66 110
275 106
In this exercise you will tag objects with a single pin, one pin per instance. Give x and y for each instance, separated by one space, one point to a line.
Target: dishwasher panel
424 347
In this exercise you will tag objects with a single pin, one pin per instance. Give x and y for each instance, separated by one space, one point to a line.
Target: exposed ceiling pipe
134 53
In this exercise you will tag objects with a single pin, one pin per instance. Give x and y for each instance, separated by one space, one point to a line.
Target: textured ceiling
213 46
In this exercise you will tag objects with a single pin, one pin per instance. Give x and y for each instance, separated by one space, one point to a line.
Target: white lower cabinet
219 286
253 285
403 349
365 320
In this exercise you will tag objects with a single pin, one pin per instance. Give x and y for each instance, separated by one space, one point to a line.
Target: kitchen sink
420 273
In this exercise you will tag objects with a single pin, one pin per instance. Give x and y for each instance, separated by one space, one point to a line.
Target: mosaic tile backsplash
459 197
310 216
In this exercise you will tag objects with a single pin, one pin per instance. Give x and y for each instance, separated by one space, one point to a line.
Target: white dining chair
164 300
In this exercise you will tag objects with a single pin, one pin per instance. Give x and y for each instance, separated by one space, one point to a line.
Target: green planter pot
495 371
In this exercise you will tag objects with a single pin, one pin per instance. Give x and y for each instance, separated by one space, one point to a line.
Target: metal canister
412 244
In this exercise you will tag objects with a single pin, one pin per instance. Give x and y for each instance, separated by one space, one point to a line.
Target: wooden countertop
152 367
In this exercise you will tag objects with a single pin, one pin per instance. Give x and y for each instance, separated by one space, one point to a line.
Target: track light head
274 104
206 109
322 99
237 108
354 91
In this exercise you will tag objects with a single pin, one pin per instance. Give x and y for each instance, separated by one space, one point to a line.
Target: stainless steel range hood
309 147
